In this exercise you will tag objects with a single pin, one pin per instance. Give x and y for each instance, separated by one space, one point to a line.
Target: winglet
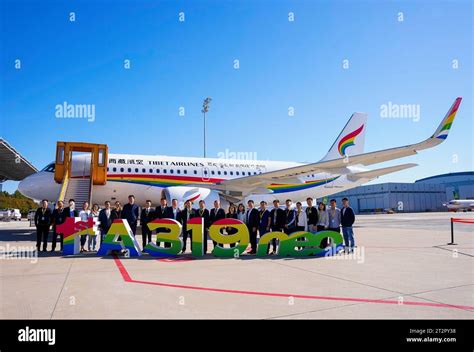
445 125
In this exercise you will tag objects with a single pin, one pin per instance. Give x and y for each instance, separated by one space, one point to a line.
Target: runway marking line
127 278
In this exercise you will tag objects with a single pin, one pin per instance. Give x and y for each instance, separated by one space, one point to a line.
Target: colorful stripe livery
160 180
167 181
282 188
448 121
348 140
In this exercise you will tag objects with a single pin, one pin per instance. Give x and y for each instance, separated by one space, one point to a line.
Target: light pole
205 108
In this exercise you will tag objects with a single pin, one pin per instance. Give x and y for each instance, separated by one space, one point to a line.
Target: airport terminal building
427 194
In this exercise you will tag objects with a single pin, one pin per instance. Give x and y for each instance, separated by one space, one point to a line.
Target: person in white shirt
301 220
84 215
323 220
92 238
241 213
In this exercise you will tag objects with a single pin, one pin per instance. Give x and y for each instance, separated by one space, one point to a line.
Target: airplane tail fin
445 125
351 140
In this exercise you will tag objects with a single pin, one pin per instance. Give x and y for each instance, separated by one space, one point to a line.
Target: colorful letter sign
72 230
120 237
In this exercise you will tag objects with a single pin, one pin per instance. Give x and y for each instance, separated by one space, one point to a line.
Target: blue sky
283 64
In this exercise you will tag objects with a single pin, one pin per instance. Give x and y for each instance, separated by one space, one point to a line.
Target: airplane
233 181
460 205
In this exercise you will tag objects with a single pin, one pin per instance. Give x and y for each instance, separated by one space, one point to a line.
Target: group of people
259 221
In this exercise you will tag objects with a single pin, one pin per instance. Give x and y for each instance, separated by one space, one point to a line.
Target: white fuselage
460 204
147 177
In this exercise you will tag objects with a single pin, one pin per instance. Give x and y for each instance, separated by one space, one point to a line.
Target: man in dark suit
59 216
202 212
146 215
277 222
347 220
105 220
174 210
43 220
187 213
252 220
131 212
163 211
71 211
216 213
290 217
311 215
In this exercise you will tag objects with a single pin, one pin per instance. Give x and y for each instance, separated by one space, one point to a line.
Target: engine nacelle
194 194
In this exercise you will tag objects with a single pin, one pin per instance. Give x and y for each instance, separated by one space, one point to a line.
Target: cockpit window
49 168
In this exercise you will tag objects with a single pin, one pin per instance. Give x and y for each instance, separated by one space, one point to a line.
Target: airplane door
80 165
205 174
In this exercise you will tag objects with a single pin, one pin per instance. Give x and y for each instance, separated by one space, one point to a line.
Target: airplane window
195 172
250 173
178 171
121 169
205 172
136 170
143 170
157 171
164 171
151 171
237 173
107 169
114 169
171 171
225 172
231 173
218 172
129 170
212 172
185 171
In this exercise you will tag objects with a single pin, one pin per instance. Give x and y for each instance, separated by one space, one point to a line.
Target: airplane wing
13 166
370 175
337 166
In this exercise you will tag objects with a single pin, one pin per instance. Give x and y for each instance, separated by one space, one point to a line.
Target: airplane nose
23 186
27 186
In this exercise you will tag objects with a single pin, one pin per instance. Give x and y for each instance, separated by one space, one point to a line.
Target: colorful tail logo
348 140
443 133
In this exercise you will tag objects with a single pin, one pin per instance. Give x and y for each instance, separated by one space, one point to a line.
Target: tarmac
401 269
